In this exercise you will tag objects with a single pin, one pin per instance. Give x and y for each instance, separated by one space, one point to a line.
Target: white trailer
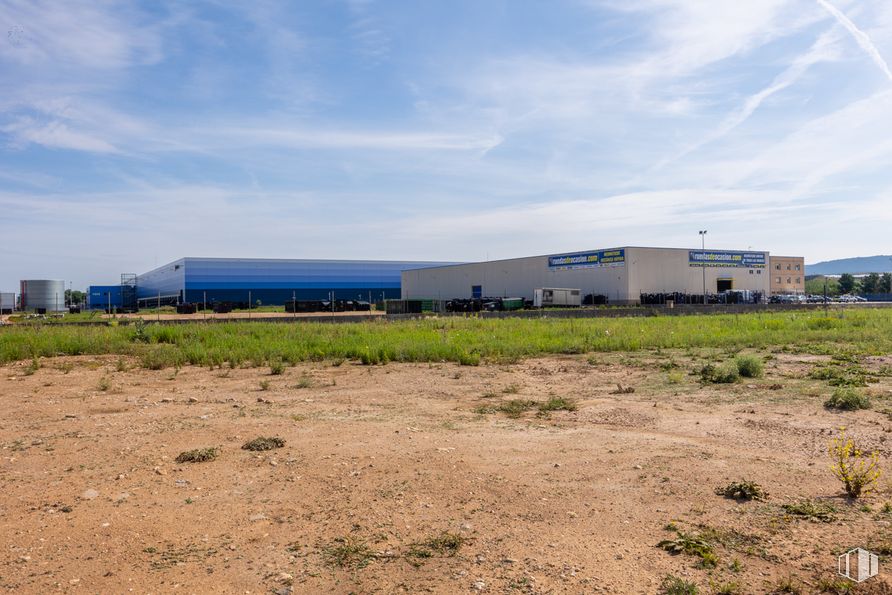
550 297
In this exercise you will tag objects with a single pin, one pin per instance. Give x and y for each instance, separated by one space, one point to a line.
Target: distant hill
860 264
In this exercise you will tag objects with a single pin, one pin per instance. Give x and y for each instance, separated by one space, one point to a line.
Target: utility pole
249 304
703 265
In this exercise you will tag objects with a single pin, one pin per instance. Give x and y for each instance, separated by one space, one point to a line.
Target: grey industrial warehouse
619 275
622 276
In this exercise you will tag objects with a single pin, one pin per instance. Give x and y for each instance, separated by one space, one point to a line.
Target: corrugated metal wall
639 270
102 297
274 281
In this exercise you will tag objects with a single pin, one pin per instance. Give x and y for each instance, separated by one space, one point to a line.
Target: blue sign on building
600 258
727 258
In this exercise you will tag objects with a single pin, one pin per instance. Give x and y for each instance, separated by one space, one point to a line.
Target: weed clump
847 399
469 359
262 443
277 368
160 357
516 407
732 588
31 368
814 511
838 375
724 374
444 544
749 366
686 543
557 404
857 470
743 490
673 585
348 552
787 585
199 455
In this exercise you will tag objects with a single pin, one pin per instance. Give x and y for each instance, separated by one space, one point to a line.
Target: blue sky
133 134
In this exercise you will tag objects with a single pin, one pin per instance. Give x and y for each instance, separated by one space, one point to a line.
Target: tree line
848 283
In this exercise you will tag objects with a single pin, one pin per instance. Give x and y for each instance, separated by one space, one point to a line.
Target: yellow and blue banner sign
599 258
727 258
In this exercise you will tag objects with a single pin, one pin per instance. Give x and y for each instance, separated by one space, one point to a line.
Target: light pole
703 265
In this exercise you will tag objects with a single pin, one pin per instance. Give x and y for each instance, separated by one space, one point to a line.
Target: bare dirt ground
380 461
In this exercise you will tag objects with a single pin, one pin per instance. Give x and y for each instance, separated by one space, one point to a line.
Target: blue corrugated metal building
105 297
271 281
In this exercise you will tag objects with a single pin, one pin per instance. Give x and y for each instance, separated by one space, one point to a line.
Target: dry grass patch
261 443
198 455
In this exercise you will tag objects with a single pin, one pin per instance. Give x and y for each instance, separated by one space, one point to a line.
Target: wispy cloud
860 36
822 50
80 34
507 128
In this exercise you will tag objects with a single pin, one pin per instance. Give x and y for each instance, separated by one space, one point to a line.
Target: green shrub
742 490
161 357
557 404
32 367
726 373
277 368
749 366
847 399
673 585
686 543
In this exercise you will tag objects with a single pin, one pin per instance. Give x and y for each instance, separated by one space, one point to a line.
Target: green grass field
464 340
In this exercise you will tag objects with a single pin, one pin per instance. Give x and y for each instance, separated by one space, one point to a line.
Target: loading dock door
476 291
724 285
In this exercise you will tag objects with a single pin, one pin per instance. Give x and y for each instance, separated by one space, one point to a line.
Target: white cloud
822 50
77 33
296 138
55 135
860 36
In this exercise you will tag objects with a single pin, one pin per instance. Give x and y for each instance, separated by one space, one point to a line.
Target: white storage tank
43 294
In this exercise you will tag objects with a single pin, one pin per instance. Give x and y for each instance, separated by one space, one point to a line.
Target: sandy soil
389 457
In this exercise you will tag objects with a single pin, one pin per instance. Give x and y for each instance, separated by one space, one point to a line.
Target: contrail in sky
860 36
